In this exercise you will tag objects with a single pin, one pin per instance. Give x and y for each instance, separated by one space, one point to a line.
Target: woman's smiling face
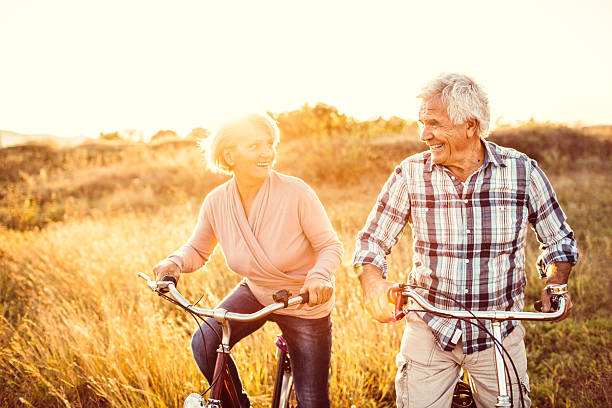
252 156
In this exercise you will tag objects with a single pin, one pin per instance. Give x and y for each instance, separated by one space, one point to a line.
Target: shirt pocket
504 223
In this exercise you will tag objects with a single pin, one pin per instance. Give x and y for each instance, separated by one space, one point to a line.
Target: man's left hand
546 304
319 290
557 274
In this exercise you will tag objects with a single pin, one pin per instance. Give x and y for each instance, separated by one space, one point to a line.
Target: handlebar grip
168 278
283 295
554 304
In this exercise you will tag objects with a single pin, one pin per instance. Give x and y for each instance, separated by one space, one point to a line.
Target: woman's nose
267 151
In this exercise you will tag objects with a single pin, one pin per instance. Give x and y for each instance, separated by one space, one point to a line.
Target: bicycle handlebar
168 285
402 294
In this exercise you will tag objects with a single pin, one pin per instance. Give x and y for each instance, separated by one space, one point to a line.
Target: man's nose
426 134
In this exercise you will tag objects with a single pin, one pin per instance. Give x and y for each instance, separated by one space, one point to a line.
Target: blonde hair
462 97
229 133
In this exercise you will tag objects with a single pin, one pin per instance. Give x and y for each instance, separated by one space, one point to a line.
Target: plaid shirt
468 238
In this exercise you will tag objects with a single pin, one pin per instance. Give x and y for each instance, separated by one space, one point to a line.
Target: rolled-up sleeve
549 223
385 224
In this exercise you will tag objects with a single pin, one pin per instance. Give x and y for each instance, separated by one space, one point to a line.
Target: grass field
79 329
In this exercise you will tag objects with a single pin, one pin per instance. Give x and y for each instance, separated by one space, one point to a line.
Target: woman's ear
228 157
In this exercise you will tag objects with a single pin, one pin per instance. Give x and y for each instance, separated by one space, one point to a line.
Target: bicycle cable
202 333
500 346
480 325
496 344
196 317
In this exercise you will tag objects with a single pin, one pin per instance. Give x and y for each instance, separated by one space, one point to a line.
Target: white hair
229 132
462 97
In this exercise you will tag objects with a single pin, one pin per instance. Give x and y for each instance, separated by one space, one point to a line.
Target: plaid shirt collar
491 156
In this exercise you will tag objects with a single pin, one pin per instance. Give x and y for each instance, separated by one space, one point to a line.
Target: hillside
8 138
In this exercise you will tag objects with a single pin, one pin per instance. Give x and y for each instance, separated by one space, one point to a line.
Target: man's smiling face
448 143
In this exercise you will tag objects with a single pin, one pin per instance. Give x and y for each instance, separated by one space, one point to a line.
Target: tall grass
79 329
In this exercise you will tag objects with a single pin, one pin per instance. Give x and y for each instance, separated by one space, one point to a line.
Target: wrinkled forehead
431 107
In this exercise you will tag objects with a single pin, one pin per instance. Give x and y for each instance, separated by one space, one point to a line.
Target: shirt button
467 231
467 290
465 201
452 177
467 261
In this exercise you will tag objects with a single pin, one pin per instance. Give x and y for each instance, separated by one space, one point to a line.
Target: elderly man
468 203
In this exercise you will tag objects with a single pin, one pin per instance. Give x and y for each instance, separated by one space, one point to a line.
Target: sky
78 68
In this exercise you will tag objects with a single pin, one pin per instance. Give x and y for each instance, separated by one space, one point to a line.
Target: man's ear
472 127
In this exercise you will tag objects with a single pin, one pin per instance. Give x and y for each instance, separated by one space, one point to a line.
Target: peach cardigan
286 239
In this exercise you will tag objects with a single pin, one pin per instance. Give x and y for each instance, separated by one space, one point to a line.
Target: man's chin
437 158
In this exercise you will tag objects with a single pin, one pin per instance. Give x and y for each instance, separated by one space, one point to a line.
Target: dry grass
79 329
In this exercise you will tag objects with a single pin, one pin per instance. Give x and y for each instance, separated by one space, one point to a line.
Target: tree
110 136
164 135
198 133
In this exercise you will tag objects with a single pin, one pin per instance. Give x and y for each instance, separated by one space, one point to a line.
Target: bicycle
284 392
407 300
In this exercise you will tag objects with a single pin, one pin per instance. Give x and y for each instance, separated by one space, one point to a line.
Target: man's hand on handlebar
165 268
375 294
556 284
546 296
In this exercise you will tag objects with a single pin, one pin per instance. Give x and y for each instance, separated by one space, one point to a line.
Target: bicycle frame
406 299
284 376
224 381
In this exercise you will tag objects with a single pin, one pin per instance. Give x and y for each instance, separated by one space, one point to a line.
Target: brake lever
554 304
159 287
395 294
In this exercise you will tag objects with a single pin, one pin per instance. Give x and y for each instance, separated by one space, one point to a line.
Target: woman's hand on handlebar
319 290
165 268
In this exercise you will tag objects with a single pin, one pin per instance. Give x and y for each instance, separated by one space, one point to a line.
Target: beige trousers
427 375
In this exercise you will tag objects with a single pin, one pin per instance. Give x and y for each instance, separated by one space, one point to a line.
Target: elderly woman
273 231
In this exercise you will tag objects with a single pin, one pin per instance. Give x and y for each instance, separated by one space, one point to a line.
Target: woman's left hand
319 290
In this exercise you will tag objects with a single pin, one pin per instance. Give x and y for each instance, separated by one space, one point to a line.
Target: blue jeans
308 340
